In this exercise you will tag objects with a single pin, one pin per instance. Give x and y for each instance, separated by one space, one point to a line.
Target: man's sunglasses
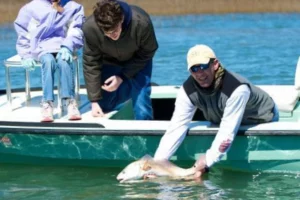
196 68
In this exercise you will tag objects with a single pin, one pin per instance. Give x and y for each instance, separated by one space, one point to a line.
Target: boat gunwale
99 129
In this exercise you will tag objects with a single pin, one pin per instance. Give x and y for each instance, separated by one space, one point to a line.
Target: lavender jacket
41 29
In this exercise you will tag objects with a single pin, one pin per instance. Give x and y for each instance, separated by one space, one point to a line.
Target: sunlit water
262 47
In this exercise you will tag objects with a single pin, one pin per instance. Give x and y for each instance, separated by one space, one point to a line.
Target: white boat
117 139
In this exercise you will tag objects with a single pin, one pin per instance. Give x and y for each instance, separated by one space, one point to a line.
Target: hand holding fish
200 167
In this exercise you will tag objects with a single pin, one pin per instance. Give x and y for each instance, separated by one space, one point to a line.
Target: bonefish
148 167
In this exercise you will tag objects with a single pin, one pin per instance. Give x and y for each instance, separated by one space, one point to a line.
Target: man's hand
112 83
96 110
200 166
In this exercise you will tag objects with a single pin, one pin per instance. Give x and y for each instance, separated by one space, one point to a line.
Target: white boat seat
297 75
15 61
285 96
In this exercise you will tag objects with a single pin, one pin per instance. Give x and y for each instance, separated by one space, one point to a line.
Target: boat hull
116 139
249 152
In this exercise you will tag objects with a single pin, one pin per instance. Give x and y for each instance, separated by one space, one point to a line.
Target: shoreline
10 9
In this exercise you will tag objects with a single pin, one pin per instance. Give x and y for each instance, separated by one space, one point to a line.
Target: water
262 47
33 182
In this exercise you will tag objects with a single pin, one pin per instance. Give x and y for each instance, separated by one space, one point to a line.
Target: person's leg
48 69
67 88
141 91
66 79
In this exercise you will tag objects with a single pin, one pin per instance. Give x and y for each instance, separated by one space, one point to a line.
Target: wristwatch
206 169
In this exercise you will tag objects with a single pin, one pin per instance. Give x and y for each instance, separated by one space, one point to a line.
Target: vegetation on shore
9 9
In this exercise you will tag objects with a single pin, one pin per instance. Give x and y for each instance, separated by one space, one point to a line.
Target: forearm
92 77
74 37
92 68
170 142
176 132
231 120
21 25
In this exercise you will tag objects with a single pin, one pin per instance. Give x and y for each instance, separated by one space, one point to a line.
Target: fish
147 167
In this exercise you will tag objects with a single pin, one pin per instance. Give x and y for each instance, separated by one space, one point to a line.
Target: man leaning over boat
119 45
224 98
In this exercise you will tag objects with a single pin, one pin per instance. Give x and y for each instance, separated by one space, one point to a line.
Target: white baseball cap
199 54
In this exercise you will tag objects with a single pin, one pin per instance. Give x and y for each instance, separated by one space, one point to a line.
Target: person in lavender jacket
49 31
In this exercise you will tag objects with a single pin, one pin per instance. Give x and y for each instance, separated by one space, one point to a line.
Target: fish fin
147 157
146 166
149 176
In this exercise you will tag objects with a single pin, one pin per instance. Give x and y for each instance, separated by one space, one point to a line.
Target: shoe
73 112
47 111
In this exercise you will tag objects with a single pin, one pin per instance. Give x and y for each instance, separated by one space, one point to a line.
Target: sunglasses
196 68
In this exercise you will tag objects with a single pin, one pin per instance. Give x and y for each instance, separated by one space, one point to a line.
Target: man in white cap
225 98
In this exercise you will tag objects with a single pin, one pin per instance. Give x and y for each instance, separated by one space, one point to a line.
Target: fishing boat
117 139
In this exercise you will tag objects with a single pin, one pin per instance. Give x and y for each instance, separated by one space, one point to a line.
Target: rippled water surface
33 182
262 47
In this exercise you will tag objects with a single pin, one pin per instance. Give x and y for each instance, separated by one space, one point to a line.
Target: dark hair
108 14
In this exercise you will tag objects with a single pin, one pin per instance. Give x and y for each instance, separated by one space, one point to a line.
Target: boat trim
99 129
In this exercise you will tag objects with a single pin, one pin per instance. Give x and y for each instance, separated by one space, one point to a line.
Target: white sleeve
176 132
230 123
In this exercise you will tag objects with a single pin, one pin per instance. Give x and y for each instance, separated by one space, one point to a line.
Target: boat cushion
285 96
297 75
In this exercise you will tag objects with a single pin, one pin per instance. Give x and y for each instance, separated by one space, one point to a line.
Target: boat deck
27 114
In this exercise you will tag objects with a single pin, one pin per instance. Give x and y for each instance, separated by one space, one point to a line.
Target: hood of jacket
127 14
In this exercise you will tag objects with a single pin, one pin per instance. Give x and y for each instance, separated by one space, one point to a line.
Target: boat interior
163 101
21 105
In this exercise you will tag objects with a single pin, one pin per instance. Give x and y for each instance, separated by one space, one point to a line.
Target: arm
175 134
147 49
21 26
231 120
92 64
74 38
